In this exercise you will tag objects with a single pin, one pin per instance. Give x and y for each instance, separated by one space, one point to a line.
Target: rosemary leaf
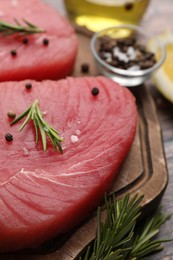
58 142
18 28
36 130
16 21
31 25
26 120
34 113
87 254
53 132
99 228
115 255
43 134
149 249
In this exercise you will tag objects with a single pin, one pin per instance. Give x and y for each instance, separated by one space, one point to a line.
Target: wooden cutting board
144 170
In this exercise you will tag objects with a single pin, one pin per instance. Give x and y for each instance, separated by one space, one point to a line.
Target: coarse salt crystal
131 53
74 139
120 55
109 59
123 57
130 50
116 50
44 113
107 54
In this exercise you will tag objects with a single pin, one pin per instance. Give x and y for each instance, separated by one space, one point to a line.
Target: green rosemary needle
119 236
34 113
18 28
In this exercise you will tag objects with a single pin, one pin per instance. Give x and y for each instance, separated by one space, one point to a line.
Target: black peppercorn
85 67
28 85
95 91
125 53
13 52
9 137
45 41
25 41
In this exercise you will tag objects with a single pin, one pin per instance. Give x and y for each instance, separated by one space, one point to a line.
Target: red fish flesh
46 193
49 55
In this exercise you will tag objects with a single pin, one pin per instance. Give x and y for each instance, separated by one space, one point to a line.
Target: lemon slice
163 77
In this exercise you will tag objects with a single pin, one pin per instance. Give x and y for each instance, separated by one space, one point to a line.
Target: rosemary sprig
28 28
34 113
144 243
118 237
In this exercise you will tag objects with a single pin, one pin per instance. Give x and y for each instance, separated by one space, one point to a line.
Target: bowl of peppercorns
121 54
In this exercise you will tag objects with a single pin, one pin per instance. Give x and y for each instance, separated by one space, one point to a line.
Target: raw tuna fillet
43 194
36 60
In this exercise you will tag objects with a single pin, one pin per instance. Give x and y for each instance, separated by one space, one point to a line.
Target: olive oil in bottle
99 14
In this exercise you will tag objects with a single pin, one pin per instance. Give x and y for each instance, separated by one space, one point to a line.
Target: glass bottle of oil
99 14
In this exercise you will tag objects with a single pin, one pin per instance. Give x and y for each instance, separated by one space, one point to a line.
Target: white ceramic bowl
123 76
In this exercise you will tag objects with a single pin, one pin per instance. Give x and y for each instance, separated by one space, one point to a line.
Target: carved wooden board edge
151 181
155 168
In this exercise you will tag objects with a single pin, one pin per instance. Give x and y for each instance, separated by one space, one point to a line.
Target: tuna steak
44 194
36 60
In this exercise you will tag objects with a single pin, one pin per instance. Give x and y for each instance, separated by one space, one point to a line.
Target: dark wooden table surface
158 17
